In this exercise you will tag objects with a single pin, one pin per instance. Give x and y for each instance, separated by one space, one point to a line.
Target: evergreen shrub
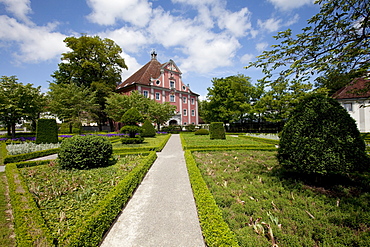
202 132
190 127
148 129
321 138
217 131
46 131
131 118
85 152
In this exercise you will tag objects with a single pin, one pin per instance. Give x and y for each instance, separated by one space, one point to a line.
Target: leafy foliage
217 130
332 48
94 63
228 100
148 129
131 119
46 131
71 103
17 102
321 138
84 152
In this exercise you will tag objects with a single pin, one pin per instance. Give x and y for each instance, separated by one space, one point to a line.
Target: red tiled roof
358 88
144 74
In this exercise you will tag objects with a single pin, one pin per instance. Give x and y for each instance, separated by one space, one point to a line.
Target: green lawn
65 196
204 140
148 142
262 208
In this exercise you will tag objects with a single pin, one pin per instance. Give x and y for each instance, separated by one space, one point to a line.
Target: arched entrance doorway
173 122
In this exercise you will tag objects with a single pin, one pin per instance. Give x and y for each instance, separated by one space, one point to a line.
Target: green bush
46 131
148 129
130 119
190 127
135 140
217 131
202 132
85 152
3 153
321 138
132 130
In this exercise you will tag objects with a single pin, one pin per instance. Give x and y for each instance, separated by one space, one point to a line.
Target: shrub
131 118
135 140
321 138
202 132
84 152
190 127
46 131
148 129
217 131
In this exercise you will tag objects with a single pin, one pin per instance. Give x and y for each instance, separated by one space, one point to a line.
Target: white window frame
157 96
192 101
348 106
185 112
146 93
184 100
193 112
172 84
172 98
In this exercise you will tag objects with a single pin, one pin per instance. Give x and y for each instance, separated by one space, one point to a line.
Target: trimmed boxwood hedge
29 226
46 131
217 130
215 230
28 156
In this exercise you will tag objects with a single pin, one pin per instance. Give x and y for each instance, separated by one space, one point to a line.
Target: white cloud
246 58
236 22
35 43
273 24
261 46
290 4
129 39
19 8
107 12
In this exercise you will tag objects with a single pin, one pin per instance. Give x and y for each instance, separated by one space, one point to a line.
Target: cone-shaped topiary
321 138
131 118
148 129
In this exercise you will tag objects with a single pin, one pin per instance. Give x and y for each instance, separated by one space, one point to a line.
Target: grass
263 209
65 196
6 229
204 140
148 142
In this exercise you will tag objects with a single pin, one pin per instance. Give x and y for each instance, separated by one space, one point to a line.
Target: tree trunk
70 127
13 130
111 125
8 127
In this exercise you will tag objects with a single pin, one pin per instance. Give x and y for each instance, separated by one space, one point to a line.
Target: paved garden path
162 211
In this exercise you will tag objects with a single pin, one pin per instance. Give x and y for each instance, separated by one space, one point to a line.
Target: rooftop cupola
154 54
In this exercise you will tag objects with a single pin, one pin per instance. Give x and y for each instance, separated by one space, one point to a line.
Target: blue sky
205 38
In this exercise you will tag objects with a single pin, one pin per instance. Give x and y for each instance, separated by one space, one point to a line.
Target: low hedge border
28 156
90 230
29 226
215 230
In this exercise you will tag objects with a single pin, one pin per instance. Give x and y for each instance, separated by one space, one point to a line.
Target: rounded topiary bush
148 129
321 138
201 132
85 152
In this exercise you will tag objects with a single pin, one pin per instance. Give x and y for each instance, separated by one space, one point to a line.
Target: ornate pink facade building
163 83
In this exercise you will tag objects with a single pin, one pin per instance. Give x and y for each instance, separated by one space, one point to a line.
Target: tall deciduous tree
18 102
94 63
334 47
160 113
228 100
71 103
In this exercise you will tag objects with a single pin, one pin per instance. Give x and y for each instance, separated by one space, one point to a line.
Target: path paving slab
162 211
